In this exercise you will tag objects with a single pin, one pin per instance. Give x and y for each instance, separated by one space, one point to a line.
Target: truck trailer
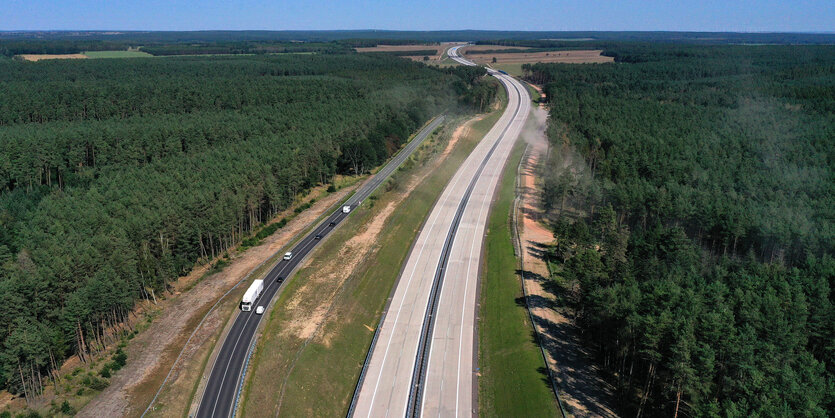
251 295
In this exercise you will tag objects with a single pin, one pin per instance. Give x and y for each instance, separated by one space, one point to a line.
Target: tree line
134 170
692 200
250 47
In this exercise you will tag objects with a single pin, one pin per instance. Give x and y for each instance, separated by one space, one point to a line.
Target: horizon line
427 30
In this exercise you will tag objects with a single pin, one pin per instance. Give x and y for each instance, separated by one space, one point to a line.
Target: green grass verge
512 68
321 373
513 380
117 54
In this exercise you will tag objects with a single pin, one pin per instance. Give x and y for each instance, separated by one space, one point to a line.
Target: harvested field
39 57
117 54
569 57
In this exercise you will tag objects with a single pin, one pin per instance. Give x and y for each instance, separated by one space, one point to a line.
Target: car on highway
279 279
332 223
318 236
259 310
346 209
288 255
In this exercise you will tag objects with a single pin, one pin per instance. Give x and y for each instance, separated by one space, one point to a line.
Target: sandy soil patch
316 303
152 352
460 132
331 278
580 384
39 57
568 57
543 96
358 248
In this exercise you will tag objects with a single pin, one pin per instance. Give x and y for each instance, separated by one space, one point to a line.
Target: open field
41 57
511 382
117 54
567 57
437 56
512 68
86 54
297 359
475 48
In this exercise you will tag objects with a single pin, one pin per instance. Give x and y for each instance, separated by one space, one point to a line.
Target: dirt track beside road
579 382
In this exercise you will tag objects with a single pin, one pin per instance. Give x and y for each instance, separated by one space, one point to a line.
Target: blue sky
674 15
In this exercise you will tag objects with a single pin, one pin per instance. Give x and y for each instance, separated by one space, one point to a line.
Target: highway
221 390
422 361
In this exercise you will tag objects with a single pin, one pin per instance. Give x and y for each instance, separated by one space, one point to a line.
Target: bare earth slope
582 390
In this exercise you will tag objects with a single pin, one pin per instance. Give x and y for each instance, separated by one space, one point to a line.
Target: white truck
251 295
346 209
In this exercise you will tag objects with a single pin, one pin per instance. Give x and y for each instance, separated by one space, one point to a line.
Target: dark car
333 223
279 279
318 236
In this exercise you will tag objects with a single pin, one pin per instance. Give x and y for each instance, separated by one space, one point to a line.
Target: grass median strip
512 377
312 350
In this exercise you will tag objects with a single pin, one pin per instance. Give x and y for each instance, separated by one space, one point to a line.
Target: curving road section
422 361
219 396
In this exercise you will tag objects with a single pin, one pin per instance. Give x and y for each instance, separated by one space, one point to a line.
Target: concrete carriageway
423 360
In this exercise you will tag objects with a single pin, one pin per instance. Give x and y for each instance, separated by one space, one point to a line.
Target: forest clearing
485 56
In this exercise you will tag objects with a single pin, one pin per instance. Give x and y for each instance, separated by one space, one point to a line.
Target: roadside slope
153 351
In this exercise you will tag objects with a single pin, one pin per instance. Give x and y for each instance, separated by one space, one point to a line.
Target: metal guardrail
520 254
242 379
365 366
374 339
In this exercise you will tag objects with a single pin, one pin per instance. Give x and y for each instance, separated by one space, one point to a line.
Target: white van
288 255
346 209
259 310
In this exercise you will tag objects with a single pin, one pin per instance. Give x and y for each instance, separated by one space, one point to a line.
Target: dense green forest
692 194
117 176
250 42
10 48
245 48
